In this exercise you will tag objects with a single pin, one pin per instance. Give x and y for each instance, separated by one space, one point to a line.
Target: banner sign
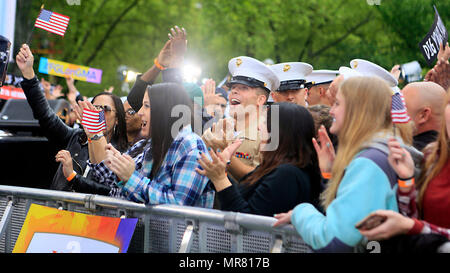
437 35
50 230
62 69
10 92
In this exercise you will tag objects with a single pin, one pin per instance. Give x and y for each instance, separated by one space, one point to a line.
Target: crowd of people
315 148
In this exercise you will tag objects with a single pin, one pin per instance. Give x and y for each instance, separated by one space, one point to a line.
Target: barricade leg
6 218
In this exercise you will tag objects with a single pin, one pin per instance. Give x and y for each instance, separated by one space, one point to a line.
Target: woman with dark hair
287 176
74 173
164 172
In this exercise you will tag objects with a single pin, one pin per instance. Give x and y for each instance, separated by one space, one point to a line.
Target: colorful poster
62 69
49 230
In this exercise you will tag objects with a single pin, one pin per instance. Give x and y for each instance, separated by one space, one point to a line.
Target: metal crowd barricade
161 228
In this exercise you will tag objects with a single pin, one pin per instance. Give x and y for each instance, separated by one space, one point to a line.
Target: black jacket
277 192
64 137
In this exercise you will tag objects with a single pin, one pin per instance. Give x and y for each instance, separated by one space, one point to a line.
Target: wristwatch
96 137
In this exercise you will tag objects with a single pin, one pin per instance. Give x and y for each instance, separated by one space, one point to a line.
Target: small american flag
94 121
399 113
52 22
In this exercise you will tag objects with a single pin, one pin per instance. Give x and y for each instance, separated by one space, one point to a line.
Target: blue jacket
369 184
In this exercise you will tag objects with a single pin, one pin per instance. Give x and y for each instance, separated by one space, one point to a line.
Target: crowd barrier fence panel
160 228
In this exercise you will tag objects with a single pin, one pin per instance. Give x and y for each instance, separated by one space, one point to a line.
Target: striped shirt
176 182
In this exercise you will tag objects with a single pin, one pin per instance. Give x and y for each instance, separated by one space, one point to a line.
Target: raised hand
25 60
79 110
440 74
209 92
395 71
325 150
444 53
400 159
178 46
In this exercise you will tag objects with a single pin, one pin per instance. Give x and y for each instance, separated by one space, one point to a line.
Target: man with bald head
425 105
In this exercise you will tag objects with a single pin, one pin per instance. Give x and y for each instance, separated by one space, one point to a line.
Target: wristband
95 137
70 178
406 183
158 65
406 179
326 175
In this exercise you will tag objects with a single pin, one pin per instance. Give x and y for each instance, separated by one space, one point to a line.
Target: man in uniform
292 78
250 86
317 84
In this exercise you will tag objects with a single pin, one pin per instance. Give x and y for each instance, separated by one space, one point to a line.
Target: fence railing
160 228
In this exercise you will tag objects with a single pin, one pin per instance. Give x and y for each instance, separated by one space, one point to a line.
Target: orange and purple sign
50 230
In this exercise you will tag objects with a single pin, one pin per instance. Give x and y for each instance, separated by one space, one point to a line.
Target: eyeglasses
105 108
131 112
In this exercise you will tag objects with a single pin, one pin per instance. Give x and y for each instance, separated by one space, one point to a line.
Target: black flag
437 35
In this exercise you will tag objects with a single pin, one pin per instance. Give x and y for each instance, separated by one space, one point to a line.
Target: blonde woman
362 181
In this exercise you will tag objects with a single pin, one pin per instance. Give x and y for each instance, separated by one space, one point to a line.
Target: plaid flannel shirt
107 177
176 182
407 207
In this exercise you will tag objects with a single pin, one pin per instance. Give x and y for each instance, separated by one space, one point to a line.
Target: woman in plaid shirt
162 171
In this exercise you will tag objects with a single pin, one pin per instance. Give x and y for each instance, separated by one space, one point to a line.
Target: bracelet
406 179
326 175
406 183
95 137
158 65
70 178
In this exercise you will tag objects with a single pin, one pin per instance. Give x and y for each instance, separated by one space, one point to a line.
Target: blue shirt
369 184
176 182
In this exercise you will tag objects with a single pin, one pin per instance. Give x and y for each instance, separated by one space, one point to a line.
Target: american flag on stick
399 113
94 121
52 22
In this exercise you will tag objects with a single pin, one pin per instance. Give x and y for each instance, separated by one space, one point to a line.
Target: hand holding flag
93 121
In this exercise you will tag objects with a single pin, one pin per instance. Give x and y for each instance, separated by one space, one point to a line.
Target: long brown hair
435 161
367 112
296 130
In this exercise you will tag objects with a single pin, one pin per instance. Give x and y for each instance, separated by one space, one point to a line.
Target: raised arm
53 127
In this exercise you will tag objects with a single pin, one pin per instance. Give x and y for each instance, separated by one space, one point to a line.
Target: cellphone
370 222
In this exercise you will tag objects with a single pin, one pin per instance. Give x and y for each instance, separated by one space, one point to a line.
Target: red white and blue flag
94 121
399 112
52 22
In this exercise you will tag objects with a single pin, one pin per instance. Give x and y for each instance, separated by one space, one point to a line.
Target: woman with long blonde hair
362 181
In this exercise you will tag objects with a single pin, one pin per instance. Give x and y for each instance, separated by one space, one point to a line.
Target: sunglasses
105 108
131 112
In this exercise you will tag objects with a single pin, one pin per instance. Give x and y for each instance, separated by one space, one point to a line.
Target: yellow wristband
158 65
406 184
70 178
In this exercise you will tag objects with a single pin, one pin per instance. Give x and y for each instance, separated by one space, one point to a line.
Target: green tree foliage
325 33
